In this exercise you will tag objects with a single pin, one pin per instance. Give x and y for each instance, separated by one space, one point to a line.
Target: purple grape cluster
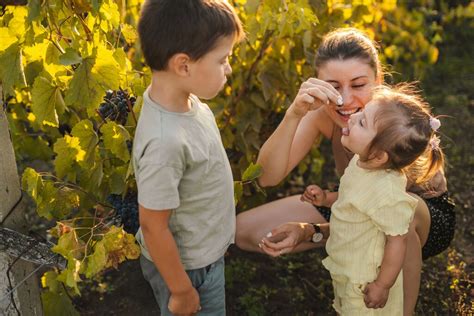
116 106
127 210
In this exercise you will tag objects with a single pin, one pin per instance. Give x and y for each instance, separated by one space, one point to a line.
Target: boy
185 185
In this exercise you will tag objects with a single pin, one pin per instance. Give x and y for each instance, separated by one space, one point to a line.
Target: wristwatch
318 235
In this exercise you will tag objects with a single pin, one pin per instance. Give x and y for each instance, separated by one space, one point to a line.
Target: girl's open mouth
345 131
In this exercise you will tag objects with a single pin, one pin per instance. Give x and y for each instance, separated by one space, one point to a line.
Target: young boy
185 185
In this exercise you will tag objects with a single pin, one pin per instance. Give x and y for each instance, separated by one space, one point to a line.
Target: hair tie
435 124
434 142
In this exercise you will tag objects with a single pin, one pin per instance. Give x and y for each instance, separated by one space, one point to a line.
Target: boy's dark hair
169 27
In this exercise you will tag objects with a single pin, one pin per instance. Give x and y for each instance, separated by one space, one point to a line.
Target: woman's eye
358 85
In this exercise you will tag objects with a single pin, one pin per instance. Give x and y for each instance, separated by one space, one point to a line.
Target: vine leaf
70 57
120 246
68 151
115 137
69 246
11 69
57 304
88 138
46 98
96 74
252 172
70 276
97 261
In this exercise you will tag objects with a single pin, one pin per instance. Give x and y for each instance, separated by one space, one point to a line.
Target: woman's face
355 80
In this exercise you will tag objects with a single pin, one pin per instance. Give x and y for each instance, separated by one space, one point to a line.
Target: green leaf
70 276
49 280
97 261
238 191
120 246
11 69
57 304
115 137
32 183
6 38
129 33
88 138
69 246
46 98
70 57
95 75
252 172
68 151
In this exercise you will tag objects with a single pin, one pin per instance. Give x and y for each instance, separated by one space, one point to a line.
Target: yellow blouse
370 205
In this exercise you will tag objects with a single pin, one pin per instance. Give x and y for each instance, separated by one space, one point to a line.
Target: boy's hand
376 295
314 195
313 94
185 304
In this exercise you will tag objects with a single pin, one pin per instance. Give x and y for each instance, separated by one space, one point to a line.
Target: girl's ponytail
431 161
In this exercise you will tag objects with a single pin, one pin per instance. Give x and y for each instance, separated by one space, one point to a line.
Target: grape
127 210
115 106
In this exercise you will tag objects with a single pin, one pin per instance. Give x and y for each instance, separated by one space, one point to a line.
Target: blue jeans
208 281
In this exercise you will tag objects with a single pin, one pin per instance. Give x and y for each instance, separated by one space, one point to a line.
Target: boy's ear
179 64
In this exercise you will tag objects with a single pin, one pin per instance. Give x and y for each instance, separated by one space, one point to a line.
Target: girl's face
354 79
360 130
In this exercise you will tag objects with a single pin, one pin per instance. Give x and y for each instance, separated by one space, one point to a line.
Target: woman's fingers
322 90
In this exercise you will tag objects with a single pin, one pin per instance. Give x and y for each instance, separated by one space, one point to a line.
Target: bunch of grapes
127 210
116 106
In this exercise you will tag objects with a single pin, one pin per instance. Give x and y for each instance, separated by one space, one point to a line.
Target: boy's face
209 73
361 130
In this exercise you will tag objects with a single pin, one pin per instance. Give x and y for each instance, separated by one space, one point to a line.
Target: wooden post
25 300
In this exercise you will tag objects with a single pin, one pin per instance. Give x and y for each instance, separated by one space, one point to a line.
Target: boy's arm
164 252
376 293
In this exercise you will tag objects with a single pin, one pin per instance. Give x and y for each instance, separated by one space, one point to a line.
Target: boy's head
192 27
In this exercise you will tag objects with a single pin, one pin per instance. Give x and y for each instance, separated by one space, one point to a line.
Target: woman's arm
297 132
376 293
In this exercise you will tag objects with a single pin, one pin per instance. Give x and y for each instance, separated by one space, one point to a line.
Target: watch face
317 237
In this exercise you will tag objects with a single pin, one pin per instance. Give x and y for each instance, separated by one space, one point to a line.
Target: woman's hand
312 95
375 295
284 239
315 195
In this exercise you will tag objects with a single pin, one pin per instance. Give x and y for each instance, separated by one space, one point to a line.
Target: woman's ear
179 64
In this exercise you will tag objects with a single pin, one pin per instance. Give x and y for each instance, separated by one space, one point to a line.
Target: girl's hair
347 43
406 131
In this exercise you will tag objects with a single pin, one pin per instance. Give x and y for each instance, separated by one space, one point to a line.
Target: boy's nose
228 69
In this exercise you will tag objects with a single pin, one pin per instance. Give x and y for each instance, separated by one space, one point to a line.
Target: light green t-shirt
181 165
371 204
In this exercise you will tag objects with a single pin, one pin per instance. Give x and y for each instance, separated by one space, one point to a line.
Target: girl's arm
376 293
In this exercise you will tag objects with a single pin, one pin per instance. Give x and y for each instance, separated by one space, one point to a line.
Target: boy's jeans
208 281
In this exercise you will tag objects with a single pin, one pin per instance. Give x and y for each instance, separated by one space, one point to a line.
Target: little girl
393 139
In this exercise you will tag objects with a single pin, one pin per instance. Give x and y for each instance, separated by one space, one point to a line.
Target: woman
348 68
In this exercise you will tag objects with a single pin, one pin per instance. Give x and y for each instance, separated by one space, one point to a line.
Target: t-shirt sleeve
158 176
394 217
